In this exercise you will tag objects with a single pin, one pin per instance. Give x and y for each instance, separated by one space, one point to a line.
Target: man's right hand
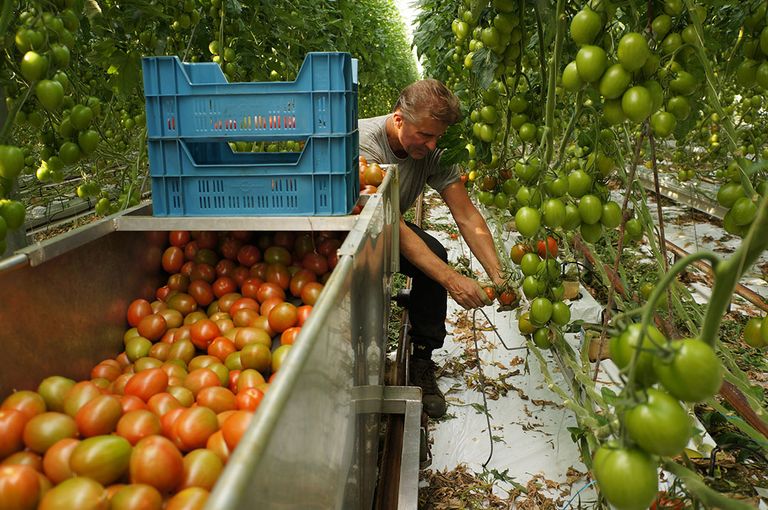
467 292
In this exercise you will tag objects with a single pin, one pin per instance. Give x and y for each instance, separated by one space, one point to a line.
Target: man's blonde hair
428 97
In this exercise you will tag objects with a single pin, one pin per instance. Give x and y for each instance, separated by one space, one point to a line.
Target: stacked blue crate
193 114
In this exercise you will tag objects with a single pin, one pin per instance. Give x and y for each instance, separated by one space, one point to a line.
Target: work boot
422 374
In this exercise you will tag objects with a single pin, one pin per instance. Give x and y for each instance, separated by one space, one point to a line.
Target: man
408 137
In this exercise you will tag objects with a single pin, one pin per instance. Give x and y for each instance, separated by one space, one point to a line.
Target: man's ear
397 118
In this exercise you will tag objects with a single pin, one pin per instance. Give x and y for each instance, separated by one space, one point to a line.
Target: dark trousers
428 301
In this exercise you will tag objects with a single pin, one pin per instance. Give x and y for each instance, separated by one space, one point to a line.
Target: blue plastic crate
209 179
194 100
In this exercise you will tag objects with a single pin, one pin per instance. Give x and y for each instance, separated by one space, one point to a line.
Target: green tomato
633 51
528 221
659 425
591 62
541 311
692 373
590 209
614 82
571 79
529 264
753 335
561 313
585 26
663 124
554 212
627 477
637 103
623 347
579 183
611 215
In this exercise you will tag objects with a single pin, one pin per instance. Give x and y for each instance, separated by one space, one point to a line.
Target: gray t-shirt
414 173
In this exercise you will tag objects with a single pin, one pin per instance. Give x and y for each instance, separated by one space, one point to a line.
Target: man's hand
467 292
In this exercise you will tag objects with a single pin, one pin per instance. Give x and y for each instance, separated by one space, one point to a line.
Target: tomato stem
697 487
554 65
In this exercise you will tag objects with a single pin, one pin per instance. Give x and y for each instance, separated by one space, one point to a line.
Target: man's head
421 115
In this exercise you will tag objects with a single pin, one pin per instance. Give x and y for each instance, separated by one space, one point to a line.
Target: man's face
419 137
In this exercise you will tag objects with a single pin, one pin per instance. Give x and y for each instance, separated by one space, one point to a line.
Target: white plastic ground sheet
693 232
529 426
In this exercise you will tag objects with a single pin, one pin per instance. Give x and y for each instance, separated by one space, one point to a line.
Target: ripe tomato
19 487
12 422
693 373
269 290
289 335
157 462
517 252
56 460
248 255
548 248
248 378
152 327
302 313
173 259
217 398
79 395
147 383
182 302
223 285
221 347
310 293
178 237
203 332
138 424
234 427
627 477
249 399
99 416
316 263
137 310
250 287
201 378
283 316
29 403
193 427
279 275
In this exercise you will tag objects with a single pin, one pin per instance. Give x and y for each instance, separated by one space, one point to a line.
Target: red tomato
25 458
216 443
162 403
19 487
223 285
258 270
203 332
303 313
226 301
56 460
240 274
201 378
202 271
221 347
173 259
244 317
217 398
316 263
190 250
147 383
109 369
229 248
234 427
268 304
168 420
131 403
178 237
187 268
44 430
225 267
284 238
301 277
249 399
244 302
157 462
289 335
201 291
12 422
283 316
28 402
136 425
179 282
182 302
328 247
548 248
99 416
137 310
248 378
311 292
248 255
206 239
279 275
152 327
193 427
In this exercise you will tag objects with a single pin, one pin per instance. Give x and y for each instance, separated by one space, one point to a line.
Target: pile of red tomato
154 427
